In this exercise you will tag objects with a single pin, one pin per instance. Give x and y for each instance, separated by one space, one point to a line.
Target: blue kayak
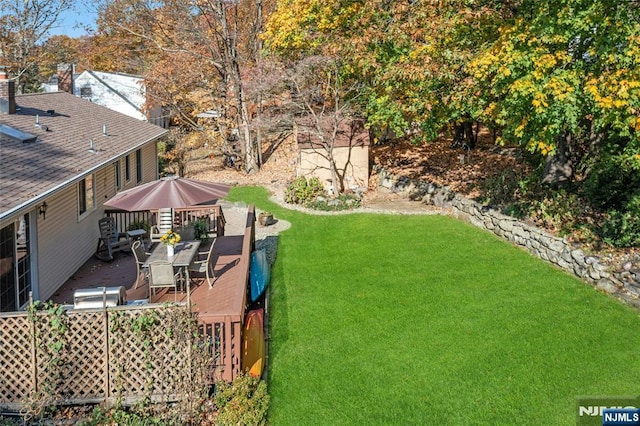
259 273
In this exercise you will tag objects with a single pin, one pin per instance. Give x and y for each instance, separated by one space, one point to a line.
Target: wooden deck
221 308
225 297
222 298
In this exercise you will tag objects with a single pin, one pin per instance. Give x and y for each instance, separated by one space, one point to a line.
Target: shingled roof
61 155
350 133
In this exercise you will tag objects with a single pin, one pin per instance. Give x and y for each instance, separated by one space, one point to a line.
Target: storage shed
349 148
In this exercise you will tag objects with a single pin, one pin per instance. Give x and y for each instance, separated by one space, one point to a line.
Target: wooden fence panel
225 338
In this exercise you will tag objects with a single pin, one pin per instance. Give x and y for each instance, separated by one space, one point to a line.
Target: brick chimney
65 78
7 93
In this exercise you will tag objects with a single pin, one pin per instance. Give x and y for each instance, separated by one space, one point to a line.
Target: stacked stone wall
621 279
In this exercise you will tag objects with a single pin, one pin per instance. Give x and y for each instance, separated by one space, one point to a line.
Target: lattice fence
17 358
92 356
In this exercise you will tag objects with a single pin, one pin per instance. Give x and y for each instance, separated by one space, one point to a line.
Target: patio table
184 253
137 234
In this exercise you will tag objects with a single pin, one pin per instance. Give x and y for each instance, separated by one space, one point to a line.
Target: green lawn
385 319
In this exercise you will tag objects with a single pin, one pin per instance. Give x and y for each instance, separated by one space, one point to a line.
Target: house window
118 176
86 195
138 166
85 92
127 169
15 265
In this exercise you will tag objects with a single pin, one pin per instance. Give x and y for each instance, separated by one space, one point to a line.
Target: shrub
622 229
342 202
243 402
139 224
502 188
5 421
302 191
612 183
613 186
201 229
560 210
122 417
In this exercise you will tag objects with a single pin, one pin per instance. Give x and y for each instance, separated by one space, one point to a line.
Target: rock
506 225
557 245
577 255
265 219
607 286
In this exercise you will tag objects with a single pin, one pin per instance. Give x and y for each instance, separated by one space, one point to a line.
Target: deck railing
226 330
211 215
129 220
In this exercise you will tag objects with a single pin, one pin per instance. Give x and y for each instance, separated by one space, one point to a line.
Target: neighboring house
61 158
350 151
124 93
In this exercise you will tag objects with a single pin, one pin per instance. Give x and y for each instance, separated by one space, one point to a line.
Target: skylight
16 134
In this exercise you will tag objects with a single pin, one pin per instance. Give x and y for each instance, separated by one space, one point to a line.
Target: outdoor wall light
42 210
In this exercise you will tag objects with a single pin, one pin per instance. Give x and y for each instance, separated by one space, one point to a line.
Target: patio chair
161 275
141 257
111 240
164 223
204 265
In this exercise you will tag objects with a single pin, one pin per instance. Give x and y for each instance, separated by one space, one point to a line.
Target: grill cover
99 297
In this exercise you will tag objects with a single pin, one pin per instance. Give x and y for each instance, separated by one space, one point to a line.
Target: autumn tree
326 109
196 40
270 108
24 25
410 56
558 77
57 50
562 78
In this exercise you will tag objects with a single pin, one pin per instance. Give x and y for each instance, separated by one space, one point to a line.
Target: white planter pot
169 250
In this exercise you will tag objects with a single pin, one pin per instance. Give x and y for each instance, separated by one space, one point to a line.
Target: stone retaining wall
622 279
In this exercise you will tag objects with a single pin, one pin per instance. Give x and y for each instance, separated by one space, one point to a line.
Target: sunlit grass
386 319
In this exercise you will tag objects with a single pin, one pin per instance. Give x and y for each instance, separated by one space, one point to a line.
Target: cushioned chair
203 264
161 275
110 240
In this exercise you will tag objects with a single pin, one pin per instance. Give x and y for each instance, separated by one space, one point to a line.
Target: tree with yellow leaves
562 77
410 56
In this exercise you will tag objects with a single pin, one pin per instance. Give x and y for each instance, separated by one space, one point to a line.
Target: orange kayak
253 343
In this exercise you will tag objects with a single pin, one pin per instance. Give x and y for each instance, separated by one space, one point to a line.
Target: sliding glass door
15 265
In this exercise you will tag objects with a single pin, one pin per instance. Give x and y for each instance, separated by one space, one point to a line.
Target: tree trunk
231 58
464 136
337 186
558 167
258 56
